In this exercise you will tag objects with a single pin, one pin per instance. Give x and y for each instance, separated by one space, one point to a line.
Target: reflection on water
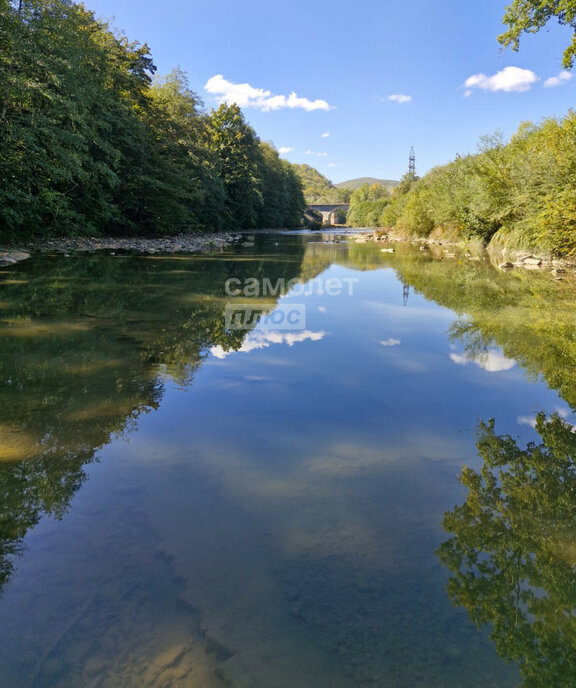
257 507
513 550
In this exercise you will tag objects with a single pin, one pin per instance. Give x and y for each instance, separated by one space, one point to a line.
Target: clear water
189 505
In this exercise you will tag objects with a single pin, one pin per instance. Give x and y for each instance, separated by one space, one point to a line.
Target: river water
205 497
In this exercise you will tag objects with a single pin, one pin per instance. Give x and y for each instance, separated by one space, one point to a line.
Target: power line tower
405 292
412 163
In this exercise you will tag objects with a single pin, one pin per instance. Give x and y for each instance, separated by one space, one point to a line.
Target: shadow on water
512 553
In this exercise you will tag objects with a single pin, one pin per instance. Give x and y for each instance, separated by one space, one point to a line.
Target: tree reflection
86 345
513 550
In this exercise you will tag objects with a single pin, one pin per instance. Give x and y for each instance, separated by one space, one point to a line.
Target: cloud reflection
263 340
491 361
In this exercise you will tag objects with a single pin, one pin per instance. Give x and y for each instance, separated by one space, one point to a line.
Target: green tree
367 204
283 202
512 553
529 16
236 147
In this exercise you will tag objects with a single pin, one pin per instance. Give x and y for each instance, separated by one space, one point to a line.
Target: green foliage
415 217
512 554
521 189
90 144
529 16
236 147
318 189
282 193
367 204
557 221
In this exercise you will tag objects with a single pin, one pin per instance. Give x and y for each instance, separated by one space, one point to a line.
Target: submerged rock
12 257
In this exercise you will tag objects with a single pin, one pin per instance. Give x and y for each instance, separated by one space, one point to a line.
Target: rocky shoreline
451 249
180 243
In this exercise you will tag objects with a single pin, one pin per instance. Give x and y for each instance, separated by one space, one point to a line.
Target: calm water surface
185 504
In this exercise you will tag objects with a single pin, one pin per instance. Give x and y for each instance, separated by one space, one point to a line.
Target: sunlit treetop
529 16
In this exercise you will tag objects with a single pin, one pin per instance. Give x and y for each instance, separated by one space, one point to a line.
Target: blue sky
343 61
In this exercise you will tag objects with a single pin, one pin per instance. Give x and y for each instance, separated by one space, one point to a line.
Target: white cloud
527 420
400 98
335 164
491 361
318 155
262 340
284 149
562 78
326 135
508 79
391 342
247 96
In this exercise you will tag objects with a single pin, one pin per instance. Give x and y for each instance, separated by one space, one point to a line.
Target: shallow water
186 504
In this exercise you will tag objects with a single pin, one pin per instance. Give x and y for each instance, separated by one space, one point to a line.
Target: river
244 469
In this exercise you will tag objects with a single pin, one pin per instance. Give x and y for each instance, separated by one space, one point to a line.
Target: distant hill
317 188
353 184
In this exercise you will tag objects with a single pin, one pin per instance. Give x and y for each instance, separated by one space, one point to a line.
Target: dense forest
94 142
518 194
318 188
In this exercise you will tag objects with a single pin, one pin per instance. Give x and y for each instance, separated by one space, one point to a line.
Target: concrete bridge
328 211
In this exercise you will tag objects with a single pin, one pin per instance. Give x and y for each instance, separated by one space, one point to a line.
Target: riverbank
505 259
180 243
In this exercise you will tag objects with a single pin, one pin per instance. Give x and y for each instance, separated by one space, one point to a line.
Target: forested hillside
318 188
516 194
93 142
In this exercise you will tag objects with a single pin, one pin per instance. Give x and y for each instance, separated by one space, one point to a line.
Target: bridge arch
327 211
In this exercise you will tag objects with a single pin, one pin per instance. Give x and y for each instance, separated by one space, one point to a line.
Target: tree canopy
529 16
517 194
93 142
